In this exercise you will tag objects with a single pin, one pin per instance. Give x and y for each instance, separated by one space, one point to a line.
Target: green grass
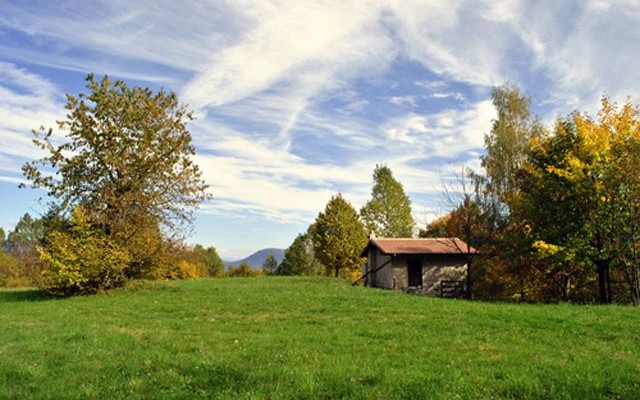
309 338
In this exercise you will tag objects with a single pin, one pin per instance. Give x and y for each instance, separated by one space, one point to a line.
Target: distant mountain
257 259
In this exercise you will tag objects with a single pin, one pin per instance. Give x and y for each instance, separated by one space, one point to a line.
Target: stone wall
435 268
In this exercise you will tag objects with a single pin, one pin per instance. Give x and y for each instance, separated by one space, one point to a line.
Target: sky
296 101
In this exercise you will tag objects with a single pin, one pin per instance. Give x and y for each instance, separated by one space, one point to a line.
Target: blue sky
296 101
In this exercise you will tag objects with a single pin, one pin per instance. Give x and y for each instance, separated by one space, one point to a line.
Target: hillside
256 259
308 338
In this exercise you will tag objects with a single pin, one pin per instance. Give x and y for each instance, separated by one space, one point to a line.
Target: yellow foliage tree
81 260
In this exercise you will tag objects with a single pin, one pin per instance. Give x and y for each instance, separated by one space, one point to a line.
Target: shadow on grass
22 295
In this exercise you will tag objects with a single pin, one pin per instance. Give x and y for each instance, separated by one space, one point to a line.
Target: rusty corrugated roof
419 246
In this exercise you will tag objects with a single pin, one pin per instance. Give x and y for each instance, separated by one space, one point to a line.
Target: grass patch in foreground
309 338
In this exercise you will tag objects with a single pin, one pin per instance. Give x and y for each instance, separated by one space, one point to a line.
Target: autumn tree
582 197
556 209
127 161
10 271
497 189
624 182
300 259
473 218
388 213
82 260
338 237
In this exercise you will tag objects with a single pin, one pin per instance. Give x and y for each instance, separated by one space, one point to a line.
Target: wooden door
414 267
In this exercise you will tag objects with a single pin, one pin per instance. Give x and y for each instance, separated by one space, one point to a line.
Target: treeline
555 210
333 243
25 256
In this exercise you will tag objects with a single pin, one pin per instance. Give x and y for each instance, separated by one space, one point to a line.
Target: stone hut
432 266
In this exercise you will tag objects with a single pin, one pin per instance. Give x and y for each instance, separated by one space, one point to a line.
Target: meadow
309 338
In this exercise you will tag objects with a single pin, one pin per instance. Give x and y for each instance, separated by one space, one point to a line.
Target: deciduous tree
338 237
27 234
127 161
82 260
507 144
270 265
300 259
211 259
242 271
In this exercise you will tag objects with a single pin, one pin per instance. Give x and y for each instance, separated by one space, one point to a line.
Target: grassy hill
309 338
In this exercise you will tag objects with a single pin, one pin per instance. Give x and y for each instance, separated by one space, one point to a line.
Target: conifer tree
388 213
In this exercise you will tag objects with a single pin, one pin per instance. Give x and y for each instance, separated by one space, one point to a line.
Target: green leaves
388 213
338 237
300 259
128 156
127 161
581 196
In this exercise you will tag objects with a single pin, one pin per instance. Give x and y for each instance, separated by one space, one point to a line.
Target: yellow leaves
546 249
187 270
81 260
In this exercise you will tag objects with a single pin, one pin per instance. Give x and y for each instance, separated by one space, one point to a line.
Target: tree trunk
469 279
604 281
566 281
635 286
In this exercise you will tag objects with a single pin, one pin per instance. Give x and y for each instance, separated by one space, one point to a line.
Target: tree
21 243
624 180
10 271
472 218
581 195
128 162
388 213
507 144
211 260
300 259
338 237
270 265
242 271
27 234
497 186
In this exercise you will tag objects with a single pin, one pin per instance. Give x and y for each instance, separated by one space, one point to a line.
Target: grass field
308 338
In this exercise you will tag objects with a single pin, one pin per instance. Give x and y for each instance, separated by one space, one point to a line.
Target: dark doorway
415 272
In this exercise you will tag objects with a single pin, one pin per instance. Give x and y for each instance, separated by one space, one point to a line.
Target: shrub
184 270
244 270
10 272
81 260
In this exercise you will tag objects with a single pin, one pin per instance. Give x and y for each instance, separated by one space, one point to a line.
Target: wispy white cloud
407 100
448 134
27 101
283 91
308 43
